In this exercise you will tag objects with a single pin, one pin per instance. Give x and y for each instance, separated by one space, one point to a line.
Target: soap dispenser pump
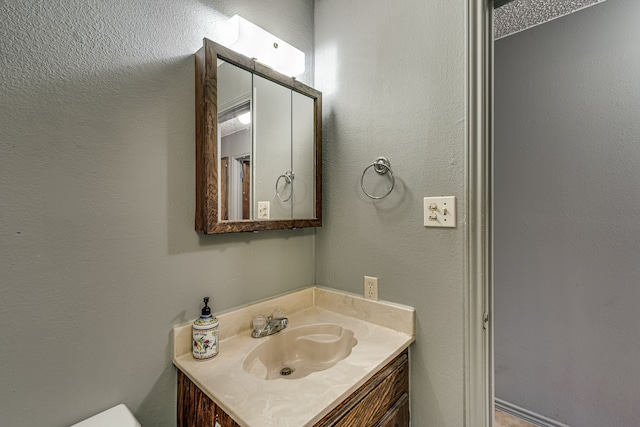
205 334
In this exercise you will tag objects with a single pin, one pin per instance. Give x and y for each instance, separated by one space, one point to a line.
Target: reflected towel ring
288 177
381 166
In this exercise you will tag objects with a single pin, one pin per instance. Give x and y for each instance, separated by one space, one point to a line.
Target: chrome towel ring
288 177
381 166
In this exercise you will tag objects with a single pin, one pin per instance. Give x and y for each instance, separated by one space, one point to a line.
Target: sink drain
286 371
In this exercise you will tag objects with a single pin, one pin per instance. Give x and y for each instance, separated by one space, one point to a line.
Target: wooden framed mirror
258 146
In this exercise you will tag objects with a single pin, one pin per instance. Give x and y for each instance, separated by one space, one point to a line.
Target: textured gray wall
98 256
567 203
393 78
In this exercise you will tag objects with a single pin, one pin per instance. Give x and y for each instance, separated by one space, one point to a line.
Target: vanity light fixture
245 118
250 40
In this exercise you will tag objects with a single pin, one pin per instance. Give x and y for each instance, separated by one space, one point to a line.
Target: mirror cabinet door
303 155
272 148
234 142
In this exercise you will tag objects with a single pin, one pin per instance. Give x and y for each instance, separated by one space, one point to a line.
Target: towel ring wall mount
381 166
288 177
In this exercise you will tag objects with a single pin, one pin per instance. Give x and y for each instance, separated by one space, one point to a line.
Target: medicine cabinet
258 146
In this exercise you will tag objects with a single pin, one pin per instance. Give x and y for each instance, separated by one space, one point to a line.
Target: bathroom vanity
382 401
353 366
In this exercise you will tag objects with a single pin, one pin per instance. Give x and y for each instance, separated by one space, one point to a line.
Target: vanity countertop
383 331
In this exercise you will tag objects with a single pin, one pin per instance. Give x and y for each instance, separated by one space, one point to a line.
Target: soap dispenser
205 334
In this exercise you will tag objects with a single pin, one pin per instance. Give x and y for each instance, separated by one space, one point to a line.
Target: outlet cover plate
371 288
263 210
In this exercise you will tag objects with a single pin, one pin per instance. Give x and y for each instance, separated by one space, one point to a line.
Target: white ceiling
518 15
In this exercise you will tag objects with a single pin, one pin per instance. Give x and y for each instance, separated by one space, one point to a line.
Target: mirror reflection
235 142
266 146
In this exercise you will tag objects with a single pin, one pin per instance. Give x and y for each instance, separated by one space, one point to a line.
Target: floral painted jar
205 334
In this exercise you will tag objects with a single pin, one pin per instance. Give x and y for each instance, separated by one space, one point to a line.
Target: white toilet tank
118 416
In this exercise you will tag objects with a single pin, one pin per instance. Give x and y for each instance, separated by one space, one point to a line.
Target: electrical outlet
263 210
371 288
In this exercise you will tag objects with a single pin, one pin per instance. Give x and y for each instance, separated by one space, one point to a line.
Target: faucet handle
278 313
259 323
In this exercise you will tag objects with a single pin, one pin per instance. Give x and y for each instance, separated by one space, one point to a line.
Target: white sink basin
297 352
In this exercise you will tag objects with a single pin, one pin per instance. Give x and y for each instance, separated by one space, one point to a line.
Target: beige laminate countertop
255 402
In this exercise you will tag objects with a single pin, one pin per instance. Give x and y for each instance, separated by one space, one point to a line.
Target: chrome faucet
268 327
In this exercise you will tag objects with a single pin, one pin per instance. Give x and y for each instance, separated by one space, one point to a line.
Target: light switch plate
440 211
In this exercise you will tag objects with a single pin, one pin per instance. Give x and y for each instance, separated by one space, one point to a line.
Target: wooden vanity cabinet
383 401
398 416
196 409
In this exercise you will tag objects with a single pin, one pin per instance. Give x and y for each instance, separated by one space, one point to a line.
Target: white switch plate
440 211
263 210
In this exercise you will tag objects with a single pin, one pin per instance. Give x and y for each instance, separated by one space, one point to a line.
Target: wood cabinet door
196 409
372 402
398 416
